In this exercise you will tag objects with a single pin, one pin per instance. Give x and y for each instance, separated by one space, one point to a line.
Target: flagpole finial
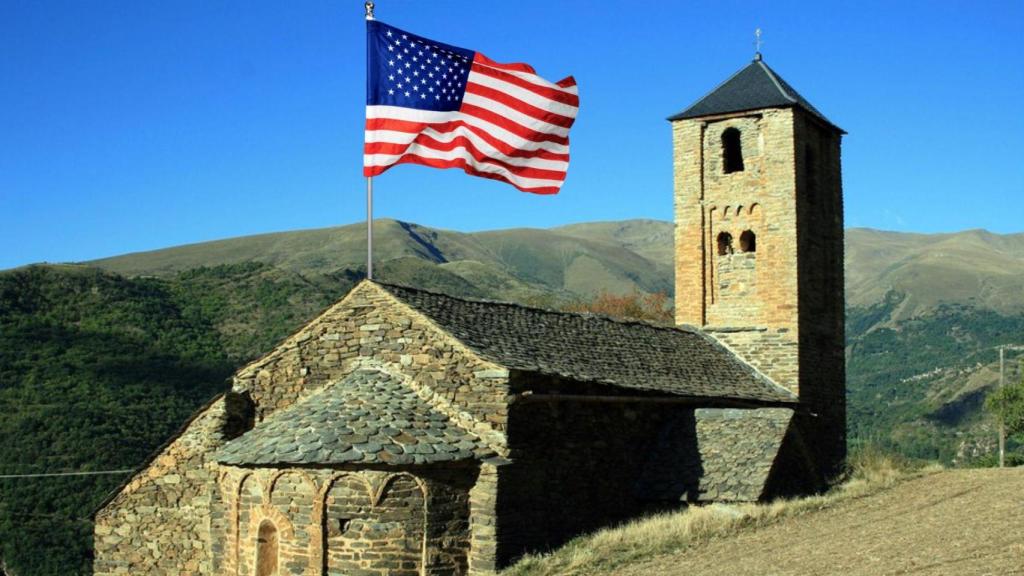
369 9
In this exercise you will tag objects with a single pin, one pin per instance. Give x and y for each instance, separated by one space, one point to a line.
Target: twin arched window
732 151
748 242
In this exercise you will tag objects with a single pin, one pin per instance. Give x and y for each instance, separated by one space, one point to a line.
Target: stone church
404 432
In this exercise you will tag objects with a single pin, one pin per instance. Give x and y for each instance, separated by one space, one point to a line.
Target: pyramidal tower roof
754 87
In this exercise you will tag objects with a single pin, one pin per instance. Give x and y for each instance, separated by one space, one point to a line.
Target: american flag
439 105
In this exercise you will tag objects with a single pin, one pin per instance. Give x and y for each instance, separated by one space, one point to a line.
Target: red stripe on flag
456 163
505 148
515 67
511 125
520 106
549 93
462 143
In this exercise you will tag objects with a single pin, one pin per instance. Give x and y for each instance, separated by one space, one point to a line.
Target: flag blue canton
414 72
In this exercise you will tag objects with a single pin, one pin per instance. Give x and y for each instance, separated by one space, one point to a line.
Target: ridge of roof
593 315
775 80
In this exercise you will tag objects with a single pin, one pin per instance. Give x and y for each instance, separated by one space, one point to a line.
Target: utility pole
1002 421
1002 382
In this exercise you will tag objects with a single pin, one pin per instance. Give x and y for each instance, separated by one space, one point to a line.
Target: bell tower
759 241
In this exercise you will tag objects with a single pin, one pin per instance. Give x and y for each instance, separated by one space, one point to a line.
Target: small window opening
266 550
732 151
748 241
339 527
724 244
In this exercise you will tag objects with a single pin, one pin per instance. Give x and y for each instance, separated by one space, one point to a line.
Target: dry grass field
964 522
956 523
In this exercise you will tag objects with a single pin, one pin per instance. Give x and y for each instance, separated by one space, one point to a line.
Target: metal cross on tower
757 44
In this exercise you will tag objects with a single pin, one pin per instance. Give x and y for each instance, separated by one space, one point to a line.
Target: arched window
724 243
748 241
266 550
732 151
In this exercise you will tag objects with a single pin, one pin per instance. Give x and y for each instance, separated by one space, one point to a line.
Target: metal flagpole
369 189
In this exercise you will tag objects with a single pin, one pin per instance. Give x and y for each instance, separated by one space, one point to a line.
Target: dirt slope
956 523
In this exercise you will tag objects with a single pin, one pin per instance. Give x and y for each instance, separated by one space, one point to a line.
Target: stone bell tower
759 241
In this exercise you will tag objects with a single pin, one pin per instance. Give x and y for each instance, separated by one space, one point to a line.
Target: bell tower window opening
732 151
724 244
748 241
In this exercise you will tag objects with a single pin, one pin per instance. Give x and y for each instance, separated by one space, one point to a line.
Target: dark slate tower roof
754 87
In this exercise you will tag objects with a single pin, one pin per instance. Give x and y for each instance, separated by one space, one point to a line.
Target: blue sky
128 126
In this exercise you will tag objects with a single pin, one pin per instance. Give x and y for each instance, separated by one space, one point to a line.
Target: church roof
591 348
368 417
754 87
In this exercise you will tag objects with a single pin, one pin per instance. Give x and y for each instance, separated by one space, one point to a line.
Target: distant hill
974 267
101 361
514 264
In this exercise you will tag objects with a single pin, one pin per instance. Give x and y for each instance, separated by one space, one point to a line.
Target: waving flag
439 105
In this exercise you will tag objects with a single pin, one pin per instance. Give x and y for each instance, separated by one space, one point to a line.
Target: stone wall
483 499
773 352
709 202
371 326
738 449
160 521
579 464
779 307
734 287
372 522
822 312
573 469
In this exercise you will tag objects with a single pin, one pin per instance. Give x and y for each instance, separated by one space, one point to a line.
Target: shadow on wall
580 466
674 470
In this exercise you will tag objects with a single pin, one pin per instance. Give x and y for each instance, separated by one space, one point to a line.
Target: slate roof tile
591 348
367 417
755 86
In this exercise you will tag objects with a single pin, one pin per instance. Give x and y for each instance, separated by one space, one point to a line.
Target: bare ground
957 523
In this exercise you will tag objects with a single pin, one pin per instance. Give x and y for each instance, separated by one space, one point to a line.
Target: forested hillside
917 385
100 365
97 370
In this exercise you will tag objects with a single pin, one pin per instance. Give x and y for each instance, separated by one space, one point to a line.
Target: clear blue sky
129 126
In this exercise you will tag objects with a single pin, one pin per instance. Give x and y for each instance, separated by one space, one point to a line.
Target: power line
53 474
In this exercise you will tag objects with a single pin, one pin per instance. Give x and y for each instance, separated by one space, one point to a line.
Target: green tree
1007 404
